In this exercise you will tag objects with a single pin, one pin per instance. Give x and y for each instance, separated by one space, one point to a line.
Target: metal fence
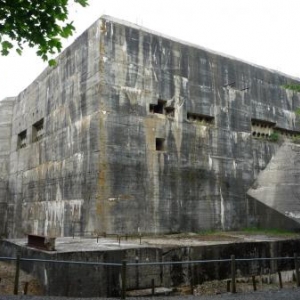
124 265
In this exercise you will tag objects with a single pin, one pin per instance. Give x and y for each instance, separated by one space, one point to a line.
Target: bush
274 137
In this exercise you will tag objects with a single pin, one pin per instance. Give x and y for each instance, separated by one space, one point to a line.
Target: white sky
264 32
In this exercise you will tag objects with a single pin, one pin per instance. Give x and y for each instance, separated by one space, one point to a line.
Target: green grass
210 232
250 231
274 231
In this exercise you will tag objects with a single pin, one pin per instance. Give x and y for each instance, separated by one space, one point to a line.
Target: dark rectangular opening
161 108
262 123
160 144
200 118
170 111
22 139
38 130
158 108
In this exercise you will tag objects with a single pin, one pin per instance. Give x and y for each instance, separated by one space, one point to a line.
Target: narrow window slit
200 118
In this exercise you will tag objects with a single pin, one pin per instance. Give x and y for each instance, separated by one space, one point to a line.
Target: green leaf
52 62
67 30
83 3
42 24
4 52
6 45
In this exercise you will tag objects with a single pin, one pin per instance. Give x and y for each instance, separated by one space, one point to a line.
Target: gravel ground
7 279
290 294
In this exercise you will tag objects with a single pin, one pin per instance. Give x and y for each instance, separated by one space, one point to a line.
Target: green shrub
274 137
292 87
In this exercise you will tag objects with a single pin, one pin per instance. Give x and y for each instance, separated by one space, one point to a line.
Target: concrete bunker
96 122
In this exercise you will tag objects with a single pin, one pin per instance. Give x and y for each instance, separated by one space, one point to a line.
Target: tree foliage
37 23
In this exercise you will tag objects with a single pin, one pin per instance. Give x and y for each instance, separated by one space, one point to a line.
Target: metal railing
123 265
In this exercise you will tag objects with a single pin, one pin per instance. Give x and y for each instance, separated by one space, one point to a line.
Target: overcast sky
264 32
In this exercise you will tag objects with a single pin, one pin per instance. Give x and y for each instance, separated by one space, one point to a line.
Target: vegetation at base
274 136
40 24
249 230
292 87
210 232
273 231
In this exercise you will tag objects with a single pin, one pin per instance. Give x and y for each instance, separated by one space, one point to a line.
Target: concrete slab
77 244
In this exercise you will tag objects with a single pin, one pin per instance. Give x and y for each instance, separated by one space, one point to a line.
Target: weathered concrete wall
135 132
6 108
52 178
200 178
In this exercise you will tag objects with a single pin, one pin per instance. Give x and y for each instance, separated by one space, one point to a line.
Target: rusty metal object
41 242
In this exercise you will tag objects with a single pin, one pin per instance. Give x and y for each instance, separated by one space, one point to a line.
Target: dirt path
7 279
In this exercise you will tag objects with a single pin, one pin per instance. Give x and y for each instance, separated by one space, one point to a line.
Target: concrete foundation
60 279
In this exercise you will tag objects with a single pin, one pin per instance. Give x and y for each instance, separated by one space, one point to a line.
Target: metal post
16 286
137 272
280 279
297 270
233 286
123 276
192 284
152 287
228 285
254 282
26 288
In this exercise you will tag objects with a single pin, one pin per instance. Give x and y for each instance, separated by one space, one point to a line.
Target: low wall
91 280
181 274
